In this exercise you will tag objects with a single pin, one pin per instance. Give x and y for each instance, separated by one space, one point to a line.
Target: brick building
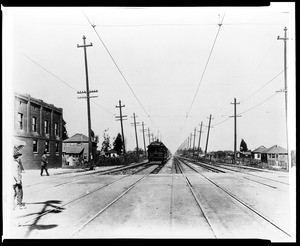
39 124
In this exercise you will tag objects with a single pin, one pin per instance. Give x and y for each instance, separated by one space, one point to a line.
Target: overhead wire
267 99
262 87
48 71
208 59
123 76
253 95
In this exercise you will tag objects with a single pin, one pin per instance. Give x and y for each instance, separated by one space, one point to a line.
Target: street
144 205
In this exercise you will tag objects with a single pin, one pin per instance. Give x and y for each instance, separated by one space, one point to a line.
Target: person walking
44 164
17 181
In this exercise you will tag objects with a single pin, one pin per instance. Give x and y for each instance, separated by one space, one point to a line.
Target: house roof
78 137
259 149
276 149
74 149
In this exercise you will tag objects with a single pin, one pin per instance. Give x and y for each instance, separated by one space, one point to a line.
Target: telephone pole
199 139
194 142
121 118
136 138
207 134
235 130
285 90
90 158
143 130
149 135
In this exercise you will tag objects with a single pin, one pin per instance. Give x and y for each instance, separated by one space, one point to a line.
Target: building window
34 146
273 155
57 147
47 146
34 120
20 121
46 127
56 132
258 155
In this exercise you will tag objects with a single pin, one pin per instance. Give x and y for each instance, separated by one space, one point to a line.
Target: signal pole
199 138
121 118
136 138
235 130
194 142
90 158
207 135
143 130
285 91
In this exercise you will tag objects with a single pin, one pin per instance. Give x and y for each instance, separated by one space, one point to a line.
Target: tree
141 151
106 143
118 144
64 130
243 146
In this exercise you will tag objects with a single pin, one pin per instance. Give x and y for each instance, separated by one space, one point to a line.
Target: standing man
17 181
44 164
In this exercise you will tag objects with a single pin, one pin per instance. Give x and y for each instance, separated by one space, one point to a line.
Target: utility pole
149 135
191 135
194 142
207 134
136 138
235 129
152 135
285 91
199 139
121 118
143 130
90 158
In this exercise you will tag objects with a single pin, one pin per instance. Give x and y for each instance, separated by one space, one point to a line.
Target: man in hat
44 164
17 180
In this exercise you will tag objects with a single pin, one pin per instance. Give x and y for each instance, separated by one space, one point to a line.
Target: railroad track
219 168
208 167
237 199
81 227
83 195
83 176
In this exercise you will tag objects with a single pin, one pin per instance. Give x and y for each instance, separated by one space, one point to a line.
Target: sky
172 67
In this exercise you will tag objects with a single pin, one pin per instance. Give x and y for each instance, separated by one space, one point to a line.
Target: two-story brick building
39 125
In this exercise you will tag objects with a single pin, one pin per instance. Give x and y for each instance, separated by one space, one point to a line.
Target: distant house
256 154
243 154
76 152
275 156
111 153
78 146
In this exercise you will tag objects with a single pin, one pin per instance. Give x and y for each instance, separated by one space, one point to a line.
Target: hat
16 152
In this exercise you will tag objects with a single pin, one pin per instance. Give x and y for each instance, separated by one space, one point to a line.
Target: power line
181 24
262 87
93 26
48 71
208 59
252 95
259 103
